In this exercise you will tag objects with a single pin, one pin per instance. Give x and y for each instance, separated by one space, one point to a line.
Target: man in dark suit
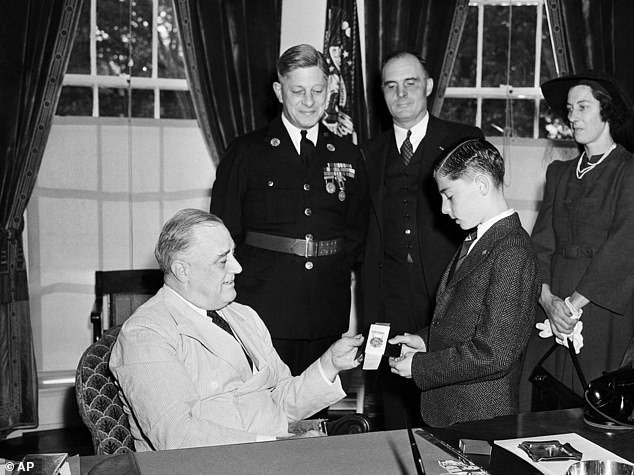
467 362
294 197
409 241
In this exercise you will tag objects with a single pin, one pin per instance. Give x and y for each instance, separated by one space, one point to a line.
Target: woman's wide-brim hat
556 90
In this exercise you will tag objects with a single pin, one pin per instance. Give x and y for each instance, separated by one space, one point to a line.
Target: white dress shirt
295 133
418 133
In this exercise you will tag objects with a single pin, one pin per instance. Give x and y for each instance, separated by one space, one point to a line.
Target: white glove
577 337
546 330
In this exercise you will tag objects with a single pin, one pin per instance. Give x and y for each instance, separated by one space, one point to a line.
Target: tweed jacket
481 325
262 186
185 382
438 237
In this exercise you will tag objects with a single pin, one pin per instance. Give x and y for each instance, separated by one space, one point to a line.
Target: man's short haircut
404 54
469 158
177 232
300 56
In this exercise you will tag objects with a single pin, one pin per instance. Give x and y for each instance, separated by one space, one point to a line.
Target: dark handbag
548 392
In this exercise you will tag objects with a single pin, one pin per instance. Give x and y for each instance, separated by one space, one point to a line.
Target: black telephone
610 400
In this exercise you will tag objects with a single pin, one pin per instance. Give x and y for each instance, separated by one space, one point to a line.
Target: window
504 54
126 61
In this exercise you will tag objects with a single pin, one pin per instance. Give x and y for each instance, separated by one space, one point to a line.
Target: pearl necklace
590 166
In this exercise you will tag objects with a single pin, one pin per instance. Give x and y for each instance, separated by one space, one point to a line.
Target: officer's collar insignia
275 142
330 147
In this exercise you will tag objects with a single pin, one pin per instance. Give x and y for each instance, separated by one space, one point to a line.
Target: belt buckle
310 247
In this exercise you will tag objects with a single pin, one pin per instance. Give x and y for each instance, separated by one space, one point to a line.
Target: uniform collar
295 133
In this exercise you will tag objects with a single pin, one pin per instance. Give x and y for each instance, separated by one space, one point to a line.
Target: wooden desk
376 452
363 454
502 462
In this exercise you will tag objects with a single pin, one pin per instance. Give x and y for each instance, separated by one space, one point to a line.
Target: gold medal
341 195
330 187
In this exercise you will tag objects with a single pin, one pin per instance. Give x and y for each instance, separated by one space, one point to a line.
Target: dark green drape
420 26
231 48
36 38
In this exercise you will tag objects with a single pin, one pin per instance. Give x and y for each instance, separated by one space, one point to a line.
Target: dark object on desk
548 392
550 451
610 400
100 406
418 461
124 291
348 424
600 467
40 464
474 447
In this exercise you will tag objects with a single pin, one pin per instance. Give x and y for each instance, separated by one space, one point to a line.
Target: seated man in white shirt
196 368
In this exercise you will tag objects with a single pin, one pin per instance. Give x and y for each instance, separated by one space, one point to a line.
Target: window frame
124 81
504 91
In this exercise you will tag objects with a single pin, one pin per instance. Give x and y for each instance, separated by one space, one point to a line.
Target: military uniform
263 191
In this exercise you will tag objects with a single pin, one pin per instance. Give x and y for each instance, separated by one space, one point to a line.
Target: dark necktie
466 245
306 147
222 323
464 249
406 149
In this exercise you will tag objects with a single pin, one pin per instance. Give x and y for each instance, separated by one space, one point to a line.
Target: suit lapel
483 247
213 338
375 164
431 144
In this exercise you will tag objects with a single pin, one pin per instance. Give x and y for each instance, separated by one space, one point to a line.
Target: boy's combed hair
471 157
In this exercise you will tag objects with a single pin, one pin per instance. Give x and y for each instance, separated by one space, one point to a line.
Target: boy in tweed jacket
467 362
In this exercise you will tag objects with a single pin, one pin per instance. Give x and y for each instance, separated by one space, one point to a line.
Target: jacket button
308 265
308 211
306 187
270 183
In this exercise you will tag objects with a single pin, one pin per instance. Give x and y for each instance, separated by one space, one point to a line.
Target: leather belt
300 247
572 252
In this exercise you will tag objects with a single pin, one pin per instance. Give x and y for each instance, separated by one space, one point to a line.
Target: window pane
552 126
547 68
75 101
170 53
113 36
495 45
177 105
113 102
494 117
141 37
142 103
523 45
464 70
459 110
79 61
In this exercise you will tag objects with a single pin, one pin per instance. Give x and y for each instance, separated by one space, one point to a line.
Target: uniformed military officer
294 197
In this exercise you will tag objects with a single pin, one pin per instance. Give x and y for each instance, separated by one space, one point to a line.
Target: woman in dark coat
584 234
